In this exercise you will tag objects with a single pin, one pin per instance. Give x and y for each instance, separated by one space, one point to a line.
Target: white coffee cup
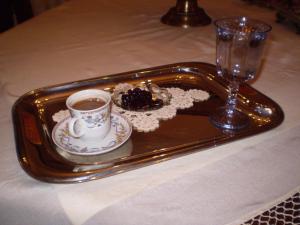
90 114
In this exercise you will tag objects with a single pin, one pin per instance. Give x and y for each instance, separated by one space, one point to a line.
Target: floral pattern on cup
95 120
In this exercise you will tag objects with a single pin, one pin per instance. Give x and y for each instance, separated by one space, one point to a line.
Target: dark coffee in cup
89 104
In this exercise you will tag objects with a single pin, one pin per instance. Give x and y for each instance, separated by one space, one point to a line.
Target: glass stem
232 98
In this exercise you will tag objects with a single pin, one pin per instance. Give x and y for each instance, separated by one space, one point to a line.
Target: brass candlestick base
186 13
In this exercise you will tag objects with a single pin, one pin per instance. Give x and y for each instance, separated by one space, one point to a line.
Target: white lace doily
149 121
60 115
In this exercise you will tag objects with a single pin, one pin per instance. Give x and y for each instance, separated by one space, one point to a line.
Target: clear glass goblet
239 46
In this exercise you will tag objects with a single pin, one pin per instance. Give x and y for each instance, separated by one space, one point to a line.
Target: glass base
194 17
222 119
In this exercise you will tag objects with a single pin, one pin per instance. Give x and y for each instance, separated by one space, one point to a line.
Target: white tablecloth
87 38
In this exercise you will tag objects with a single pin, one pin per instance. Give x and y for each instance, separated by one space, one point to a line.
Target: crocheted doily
148 121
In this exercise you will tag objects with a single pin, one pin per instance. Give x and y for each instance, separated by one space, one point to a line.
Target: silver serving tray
188 132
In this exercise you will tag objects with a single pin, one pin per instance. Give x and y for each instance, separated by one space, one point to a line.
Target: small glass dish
142 97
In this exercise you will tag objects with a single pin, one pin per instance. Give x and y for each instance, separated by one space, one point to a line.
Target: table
81 39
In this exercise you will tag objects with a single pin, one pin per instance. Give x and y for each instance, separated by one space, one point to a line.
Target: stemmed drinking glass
240 42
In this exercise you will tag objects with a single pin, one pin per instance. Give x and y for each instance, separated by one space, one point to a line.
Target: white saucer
119 133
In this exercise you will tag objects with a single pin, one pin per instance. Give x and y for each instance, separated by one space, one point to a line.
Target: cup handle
76 127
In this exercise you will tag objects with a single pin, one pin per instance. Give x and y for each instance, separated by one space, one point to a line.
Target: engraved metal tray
188 132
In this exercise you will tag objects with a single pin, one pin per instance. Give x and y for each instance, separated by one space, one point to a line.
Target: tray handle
30 128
